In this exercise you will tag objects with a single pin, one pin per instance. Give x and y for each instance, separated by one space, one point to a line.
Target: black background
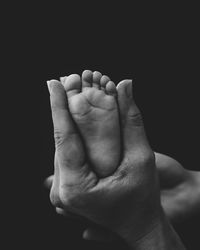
161 48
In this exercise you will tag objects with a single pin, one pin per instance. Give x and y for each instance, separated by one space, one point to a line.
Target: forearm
162 237
196 182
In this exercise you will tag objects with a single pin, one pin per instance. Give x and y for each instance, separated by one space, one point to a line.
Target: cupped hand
109 201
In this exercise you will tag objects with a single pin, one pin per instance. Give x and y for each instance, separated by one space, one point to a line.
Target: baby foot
93 106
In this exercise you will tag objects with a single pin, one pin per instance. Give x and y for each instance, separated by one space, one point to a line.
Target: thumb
61 122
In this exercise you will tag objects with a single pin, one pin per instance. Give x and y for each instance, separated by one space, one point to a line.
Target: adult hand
108 201
180 195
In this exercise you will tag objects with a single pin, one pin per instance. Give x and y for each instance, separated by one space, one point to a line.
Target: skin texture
180 188
180 195
93 107
132 187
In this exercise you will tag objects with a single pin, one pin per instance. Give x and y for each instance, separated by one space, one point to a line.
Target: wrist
161 236
196 177
196 188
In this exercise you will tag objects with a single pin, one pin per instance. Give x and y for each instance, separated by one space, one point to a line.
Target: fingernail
49 86
129 88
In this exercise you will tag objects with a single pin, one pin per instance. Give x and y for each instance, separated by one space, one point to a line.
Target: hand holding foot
109 201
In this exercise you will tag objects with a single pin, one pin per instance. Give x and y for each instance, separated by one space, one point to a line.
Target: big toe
72 85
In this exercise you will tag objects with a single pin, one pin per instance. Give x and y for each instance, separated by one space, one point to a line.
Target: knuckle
63 198
142 157
147 157
55 199
67 198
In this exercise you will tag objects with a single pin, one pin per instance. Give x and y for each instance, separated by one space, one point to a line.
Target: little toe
72 85
96 79
111 89
104 80
87 77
